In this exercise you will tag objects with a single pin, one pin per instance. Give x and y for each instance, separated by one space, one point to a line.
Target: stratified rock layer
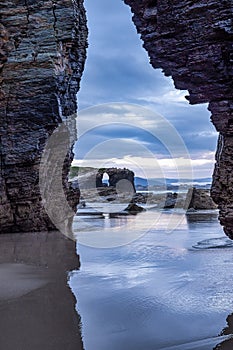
42 55
192 41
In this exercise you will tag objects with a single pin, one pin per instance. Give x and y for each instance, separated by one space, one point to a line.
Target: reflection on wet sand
227 344
37 308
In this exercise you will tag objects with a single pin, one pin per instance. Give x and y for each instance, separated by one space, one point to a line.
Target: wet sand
37 307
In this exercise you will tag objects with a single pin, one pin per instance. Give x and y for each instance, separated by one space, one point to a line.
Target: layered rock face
42 54
192 41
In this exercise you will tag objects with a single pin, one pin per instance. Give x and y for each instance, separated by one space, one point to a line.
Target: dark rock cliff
42 54
192 41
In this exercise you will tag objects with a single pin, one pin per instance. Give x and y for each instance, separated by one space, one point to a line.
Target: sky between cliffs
118 70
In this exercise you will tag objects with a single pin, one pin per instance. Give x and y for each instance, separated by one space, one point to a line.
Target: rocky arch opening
128 72
193 45
105 180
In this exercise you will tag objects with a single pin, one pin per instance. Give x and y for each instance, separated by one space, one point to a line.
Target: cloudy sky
130 114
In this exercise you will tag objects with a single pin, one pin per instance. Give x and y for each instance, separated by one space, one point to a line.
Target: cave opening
118 69
105 180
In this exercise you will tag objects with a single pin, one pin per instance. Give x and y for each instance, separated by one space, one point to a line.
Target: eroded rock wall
42 54
192 41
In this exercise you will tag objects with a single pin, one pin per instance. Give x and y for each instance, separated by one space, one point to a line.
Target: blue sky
118 70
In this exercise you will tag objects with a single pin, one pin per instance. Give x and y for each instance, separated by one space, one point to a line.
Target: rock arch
106 179
192 41
40 75
115 175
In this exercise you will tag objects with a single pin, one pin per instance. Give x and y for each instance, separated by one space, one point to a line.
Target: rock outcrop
42 54
115 175
89 178
192 41
119 187
134 209
199 199
227 344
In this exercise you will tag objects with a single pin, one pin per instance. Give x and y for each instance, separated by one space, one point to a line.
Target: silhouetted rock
139 198
170 201
200 199
134 209
227 344
90 182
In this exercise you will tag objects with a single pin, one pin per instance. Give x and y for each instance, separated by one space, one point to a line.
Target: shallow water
165 289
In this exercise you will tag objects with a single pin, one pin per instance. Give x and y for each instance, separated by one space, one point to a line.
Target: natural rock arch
192 41
115 175
106 179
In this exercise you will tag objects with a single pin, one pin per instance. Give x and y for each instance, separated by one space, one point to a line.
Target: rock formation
42 55
115 175
134 209
192 42
228 343
199 199
89 178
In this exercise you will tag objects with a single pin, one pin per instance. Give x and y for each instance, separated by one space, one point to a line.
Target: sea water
160 286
